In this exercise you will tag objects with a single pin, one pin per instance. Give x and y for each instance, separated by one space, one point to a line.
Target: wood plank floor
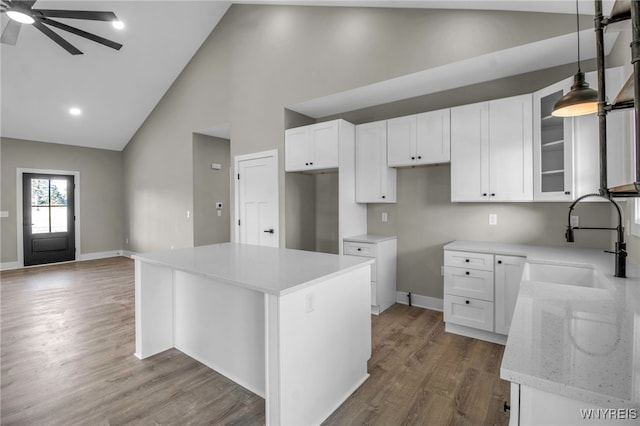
67 343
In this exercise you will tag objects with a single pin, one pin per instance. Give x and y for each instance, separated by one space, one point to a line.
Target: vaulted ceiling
117 90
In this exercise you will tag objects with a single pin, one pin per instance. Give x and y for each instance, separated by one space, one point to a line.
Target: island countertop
271 270
580 342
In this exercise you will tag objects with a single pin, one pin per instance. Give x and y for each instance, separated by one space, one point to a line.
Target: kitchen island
291 326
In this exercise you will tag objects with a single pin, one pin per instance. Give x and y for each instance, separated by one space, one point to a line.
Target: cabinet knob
419 157
467 273
466 260
306 164
499 262
413 158
384 196
484 194
359 249
466 301
493 194
567 192
311 164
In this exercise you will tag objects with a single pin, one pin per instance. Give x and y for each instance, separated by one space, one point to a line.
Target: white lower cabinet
480 292
383 272
531 406
508 274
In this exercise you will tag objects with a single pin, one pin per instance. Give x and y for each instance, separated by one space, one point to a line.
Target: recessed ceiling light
21 17
118 25
75 111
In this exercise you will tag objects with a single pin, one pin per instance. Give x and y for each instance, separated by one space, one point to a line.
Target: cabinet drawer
469 312
360 249
463 259
468 283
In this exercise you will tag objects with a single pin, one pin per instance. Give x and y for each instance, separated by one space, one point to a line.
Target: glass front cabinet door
553 178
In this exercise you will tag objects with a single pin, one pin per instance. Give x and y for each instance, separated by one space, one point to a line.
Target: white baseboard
420 301
98 255
128 253
7 266
475 333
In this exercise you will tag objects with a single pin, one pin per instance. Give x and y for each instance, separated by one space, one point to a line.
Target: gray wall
209 187
101 189
263 58
260 59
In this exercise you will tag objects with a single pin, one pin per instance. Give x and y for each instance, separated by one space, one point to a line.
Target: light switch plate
4 214
384 217
493 219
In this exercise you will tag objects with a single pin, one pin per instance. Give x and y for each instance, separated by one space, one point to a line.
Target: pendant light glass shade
581 99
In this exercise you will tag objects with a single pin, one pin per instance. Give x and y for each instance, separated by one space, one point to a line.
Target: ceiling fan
22 12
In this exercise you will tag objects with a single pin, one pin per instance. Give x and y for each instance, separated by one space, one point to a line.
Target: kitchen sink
582 276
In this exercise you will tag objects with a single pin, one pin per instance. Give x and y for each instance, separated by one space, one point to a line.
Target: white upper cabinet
313 147
491 150
419 139
566 150
375 181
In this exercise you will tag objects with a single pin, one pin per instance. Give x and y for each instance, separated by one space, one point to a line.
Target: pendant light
581 99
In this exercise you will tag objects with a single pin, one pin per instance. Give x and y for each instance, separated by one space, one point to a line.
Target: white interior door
257 195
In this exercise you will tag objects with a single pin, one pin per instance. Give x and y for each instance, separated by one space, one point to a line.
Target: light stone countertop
580 342
369 238
270 270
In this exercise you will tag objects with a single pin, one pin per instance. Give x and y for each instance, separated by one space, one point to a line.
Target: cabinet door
552 146
470 152
297 149
433 137
511 149
508 274
375 182
324 145
401 141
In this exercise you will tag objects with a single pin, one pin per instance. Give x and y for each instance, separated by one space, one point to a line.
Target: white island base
297 333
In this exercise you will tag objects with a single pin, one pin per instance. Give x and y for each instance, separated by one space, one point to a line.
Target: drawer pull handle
467 273
466 301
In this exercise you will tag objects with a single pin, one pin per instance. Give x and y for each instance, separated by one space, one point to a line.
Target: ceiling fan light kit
22 12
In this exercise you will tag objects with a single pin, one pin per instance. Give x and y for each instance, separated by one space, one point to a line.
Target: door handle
269 231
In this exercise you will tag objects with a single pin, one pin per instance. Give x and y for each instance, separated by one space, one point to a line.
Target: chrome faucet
621 246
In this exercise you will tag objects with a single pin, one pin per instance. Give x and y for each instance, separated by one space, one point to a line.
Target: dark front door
48 219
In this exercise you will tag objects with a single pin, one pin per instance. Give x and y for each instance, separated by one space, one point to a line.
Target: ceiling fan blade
10 33
77 14
55 37
81 33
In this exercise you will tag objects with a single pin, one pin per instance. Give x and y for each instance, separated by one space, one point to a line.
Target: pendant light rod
578 33
602 112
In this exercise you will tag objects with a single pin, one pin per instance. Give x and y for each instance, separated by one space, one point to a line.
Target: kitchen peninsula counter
291 326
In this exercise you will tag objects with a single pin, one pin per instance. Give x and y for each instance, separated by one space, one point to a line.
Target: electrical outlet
493 219
384 217
575 221
126 241
188 214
